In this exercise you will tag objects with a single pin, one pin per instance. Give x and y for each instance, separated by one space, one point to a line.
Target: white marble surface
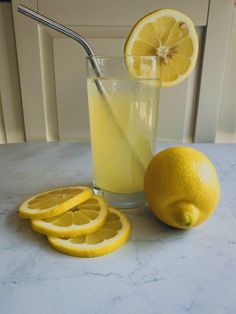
159 271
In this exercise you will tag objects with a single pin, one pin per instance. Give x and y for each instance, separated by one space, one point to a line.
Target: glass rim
120 56
101 60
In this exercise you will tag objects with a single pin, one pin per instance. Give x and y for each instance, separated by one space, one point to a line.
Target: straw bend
56 26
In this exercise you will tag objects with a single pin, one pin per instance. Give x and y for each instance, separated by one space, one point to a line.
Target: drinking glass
123 109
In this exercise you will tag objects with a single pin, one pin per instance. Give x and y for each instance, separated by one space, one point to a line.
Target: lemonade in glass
123 125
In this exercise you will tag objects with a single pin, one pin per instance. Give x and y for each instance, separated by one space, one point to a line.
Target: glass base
119 200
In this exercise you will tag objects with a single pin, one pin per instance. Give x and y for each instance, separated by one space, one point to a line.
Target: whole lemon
181 186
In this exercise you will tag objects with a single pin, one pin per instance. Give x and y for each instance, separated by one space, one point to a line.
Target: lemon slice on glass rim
112 235
171 37
53 202
82 219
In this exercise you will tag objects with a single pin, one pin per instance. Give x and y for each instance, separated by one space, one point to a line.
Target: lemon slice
53 202
82 219
112 235
171 37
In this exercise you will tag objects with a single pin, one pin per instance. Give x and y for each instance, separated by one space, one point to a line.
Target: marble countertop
159 271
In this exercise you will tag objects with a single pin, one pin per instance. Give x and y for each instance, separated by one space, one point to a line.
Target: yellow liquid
123 131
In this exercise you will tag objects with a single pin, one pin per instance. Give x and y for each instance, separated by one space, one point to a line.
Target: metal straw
64 30
68 32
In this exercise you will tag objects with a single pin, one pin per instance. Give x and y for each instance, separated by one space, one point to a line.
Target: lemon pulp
170 35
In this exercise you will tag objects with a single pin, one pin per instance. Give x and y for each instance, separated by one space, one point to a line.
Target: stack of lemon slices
76 222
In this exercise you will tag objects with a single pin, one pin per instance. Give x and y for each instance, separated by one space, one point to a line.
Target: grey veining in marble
159 271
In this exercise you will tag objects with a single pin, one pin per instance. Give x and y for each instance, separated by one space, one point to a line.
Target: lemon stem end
186 214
